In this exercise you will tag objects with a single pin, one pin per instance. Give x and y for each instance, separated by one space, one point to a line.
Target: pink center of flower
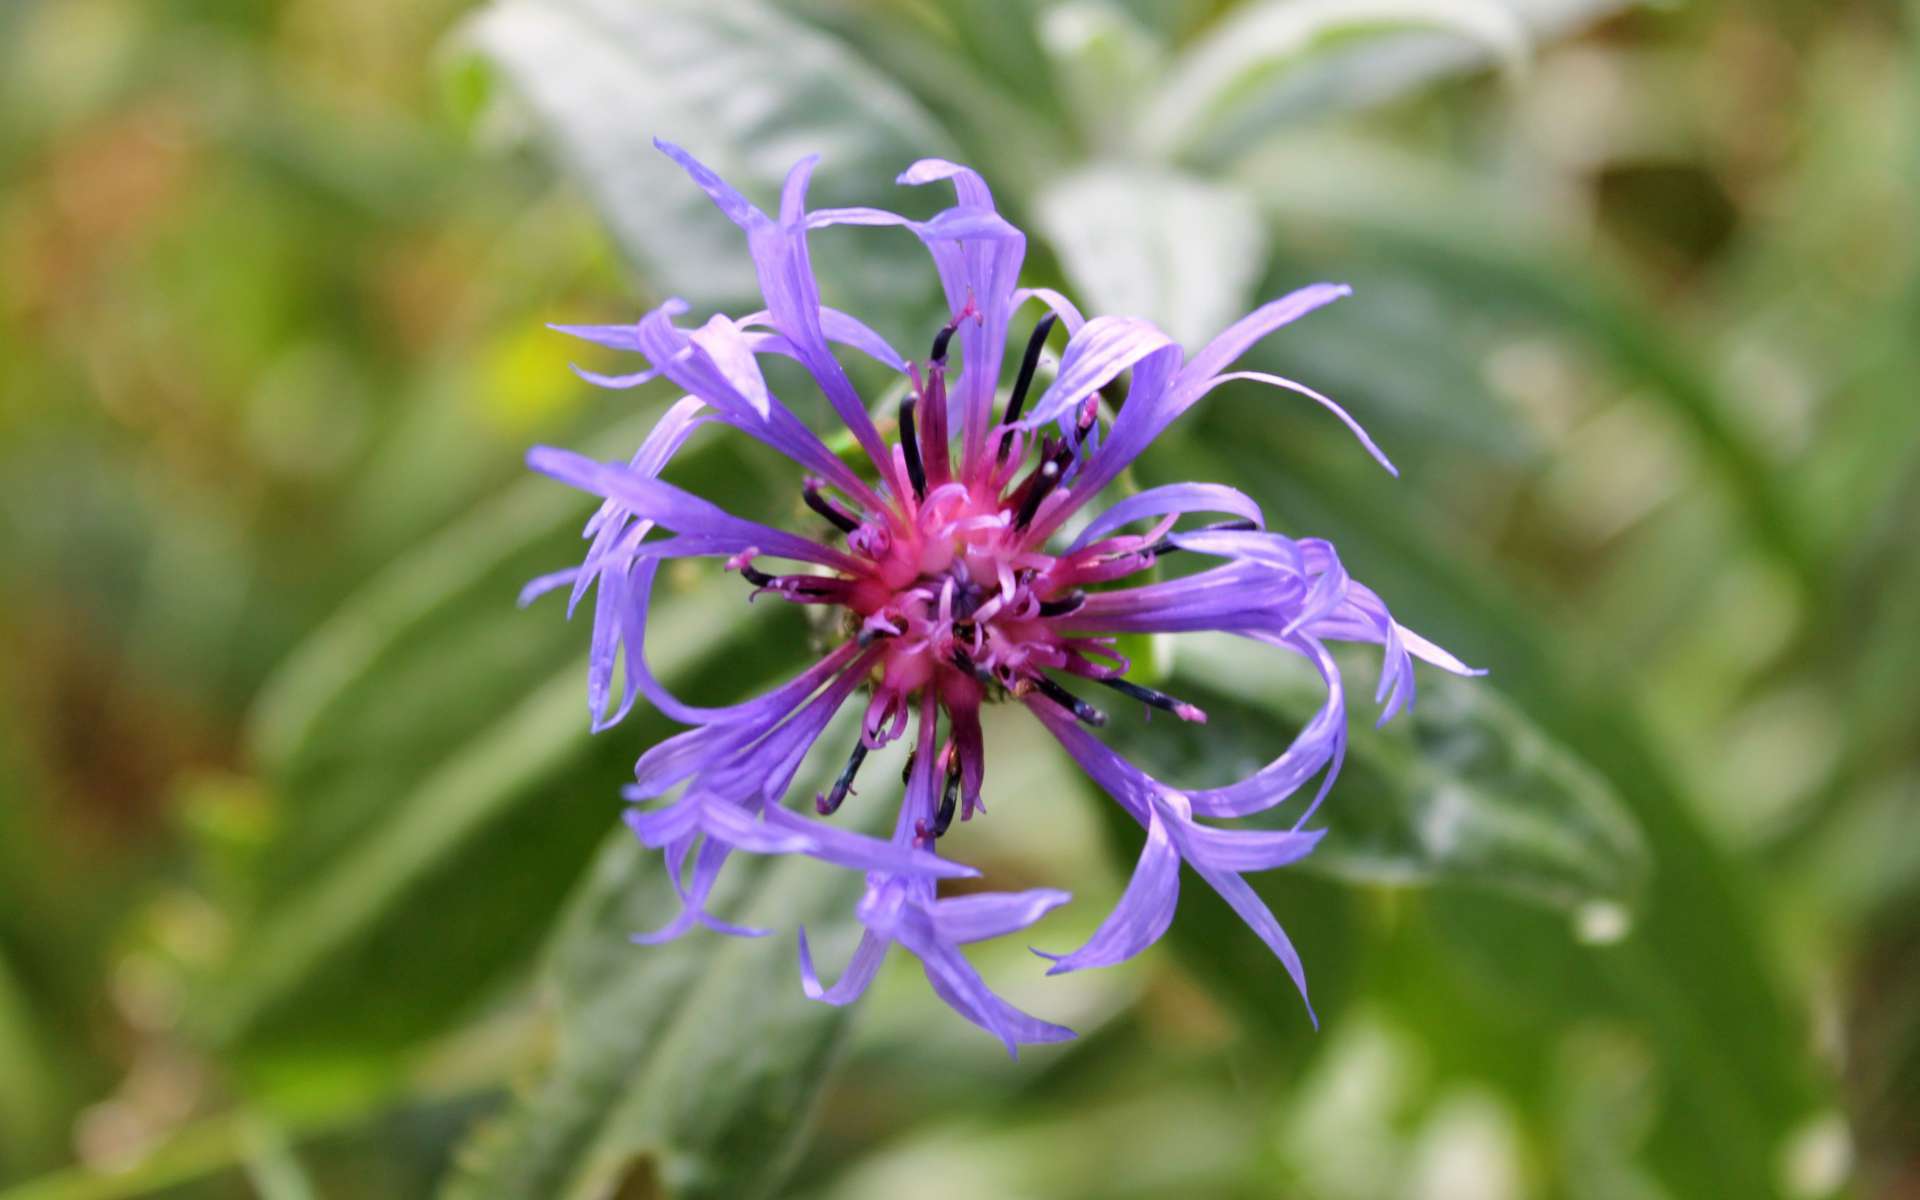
955 591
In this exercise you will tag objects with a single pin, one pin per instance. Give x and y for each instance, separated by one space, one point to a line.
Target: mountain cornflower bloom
963 569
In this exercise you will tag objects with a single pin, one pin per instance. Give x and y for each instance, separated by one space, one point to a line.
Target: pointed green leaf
437 789
1229 82
744 88
688 1068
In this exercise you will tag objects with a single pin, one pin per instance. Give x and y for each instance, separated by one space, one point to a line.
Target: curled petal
616 382
865 964
1062 307
954 980
1167 500
1346 419
1144 912
1236 339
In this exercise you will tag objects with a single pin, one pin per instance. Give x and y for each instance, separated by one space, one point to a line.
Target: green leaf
1229 84
1101 54
1522 271
744 88
1693 978
437 787
28 1087
1156 243
685 1070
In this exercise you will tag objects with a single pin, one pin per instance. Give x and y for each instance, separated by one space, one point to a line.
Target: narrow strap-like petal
1238 893
680 510
863 853
1346 418
779 250
1062 307
1167 500
1219 354
986 915
1098 354
1144 912
861 969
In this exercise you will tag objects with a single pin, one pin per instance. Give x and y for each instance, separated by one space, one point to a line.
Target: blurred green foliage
310 879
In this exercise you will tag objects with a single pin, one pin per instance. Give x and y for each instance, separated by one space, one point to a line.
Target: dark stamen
1067 700
939 356
965 662
828 804
1165 545
841 518
948 800
869 636
1063 605
790 585
1150 696
1038 489
1029 363
910 444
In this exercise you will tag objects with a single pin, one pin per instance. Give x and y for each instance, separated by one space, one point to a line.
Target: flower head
954 584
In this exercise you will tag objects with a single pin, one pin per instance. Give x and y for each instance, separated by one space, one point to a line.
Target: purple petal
736 827
1144 912
620 337
1238 893
1271 550
863 853
968 186
838 327
861 969
980 917
681 511
1173 498
691 366
658 827
1096 356
977 255
1235 340
616 382
1062 307
726 347
1320 743
954 979
1247 849
726 729
1352 425
1145 413
780 258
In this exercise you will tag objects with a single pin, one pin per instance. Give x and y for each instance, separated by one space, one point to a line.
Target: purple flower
956 584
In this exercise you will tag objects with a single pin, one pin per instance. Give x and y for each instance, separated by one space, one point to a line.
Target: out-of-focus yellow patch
525 383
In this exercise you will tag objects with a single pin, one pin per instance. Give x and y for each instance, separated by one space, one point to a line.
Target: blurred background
310 878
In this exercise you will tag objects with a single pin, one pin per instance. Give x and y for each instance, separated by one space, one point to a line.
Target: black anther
1145 695
828 804
1067 700
827 508
1063 605
910 444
